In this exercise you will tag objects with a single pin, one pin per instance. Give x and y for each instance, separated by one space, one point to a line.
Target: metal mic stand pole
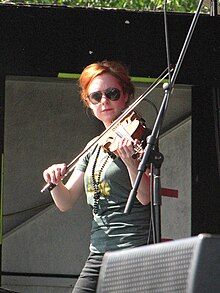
213 7
152 139
156 160
156 196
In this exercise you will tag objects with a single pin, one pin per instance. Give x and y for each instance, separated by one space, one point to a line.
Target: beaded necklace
96 183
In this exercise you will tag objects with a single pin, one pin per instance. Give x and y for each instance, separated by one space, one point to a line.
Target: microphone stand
149 155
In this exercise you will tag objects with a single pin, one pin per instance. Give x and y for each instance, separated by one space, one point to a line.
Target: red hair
114 68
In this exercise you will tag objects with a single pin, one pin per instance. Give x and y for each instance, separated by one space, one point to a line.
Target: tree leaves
148 5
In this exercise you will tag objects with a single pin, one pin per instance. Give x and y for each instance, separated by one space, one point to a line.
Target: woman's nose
104 98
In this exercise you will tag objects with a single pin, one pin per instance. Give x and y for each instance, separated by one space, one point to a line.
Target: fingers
54 173
126 148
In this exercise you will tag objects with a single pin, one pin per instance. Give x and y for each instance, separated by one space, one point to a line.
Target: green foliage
149 5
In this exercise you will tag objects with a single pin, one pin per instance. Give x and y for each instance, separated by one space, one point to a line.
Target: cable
166 87
166 40
30 209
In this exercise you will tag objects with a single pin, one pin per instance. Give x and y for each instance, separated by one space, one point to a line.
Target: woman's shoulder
92 145
86 154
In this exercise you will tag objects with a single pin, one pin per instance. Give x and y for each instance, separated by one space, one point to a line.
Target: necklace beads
96 182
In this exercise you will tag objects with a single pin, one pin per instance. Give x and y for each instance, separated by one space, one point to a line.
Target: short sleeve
81 165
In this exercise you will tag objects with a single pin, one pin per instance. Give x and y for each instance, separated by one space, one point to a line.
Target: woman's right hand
54 173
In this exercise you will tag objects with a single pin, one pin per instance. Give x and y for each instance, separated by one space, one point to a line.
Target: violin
131 127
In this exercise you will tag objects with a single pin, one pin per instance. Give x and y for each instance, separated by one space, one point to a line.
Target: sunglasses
111 93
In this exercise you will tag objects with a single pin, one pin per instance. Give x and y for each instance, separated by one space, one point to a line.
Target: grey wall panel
51 242
45 123
37 285
176 174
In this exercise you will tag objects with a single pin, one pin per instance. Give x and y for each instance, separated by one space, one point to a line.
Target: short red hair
114 68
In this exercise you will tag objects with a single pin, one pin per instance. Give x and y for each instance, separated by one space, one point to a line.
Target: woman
107 180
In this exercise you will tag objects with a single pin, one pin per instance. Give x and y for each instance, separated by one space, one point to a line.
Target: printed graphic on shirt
104 186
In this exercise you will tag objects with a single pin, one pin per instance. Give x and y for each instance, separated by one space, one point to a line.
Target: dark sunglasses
111 93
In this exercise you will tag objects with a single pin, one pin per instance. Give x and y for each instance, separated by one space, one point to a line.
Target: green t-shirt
111 228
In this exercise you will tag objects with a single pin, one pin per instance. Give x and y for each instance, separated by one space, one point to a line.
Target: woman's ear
86 103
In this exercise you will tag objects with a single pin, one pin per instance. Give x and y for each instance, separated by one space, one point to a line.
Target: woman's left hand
126 151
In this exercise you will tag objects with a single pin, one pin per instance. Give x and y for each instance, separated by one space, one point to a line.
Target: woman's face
106 110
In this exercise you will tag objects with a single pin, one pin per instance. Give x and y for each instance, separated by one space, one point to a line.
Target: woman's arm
64 196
